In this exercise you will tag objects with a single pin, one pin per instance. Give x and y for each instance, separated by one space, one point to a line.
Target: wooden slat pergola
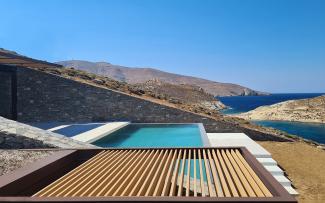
161 172
145 174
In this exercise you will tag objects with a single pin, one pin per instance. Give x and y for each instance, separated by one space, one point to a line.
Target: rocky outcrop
303 110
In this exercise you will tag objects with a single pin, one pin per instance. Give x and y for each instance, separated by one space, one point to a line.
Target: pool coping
99 132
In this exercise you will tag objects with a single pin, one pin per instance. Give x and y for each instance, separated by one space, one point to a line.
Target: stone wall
5 94
44 97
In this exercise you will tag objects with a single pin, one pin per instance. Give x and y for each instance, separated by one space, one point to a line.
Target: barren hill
302 110
183 93
141 75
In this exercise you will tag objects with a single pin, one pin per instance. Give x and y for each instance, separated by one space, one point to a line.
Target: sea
240 104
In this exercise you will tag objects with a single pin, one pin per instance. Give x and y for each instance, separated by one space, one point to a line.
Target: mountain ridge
140 75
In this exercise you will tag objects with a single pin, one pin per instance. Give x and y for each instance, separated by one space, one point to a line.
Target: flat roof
145 174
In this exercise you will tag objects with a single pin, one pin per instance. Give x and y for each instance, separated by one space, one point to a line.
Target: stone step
282 180
274 170
291 190
267 161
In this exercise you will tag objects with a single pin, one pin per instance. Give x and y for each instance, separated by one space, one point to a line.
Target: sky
276 46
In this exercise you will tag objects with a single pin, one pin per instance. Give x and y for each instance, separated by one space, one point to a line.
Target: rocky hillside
183 93
302 110
141 75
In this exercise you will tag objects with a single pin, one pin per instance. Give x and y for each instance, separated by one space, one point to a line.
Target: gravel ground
14 159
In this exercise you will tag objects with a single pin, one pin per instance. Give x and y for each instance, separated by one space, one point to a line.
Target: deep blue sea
239 104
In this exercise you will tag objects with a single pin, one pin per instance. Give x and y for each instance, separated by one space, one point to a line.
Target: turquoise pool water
154 135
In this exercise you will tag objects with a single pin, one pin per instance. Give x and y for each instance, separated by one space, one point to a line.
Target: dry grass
305 165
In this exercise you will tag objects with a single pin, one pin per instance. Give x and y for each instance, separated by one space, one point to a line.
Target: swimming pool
156 135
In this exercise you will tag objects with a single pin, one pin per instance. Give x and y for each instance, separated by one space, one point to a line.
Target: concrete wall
44 97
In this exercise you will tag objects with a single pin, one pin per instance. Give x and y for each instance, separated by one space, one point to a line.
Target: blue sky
267 45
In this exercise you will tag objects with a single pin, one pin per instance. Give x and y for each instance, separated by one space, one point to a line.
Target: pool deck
261 154
99 132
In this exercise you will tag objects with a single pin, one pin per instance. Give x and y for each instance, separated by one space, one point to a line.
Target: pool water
154 135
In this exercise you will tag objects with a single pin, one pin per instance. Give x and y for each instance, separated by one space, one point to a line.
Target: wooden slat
207 172
188 180
87 184
141 179
241 176
81 178
155 178
124 174
127 190
146 182
227 174
110 178
95 177
175 175
161 181
247 175
261 185
181 176
194 165
72 174
169 176
221 175
234 175
201 175
131 174
216 181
